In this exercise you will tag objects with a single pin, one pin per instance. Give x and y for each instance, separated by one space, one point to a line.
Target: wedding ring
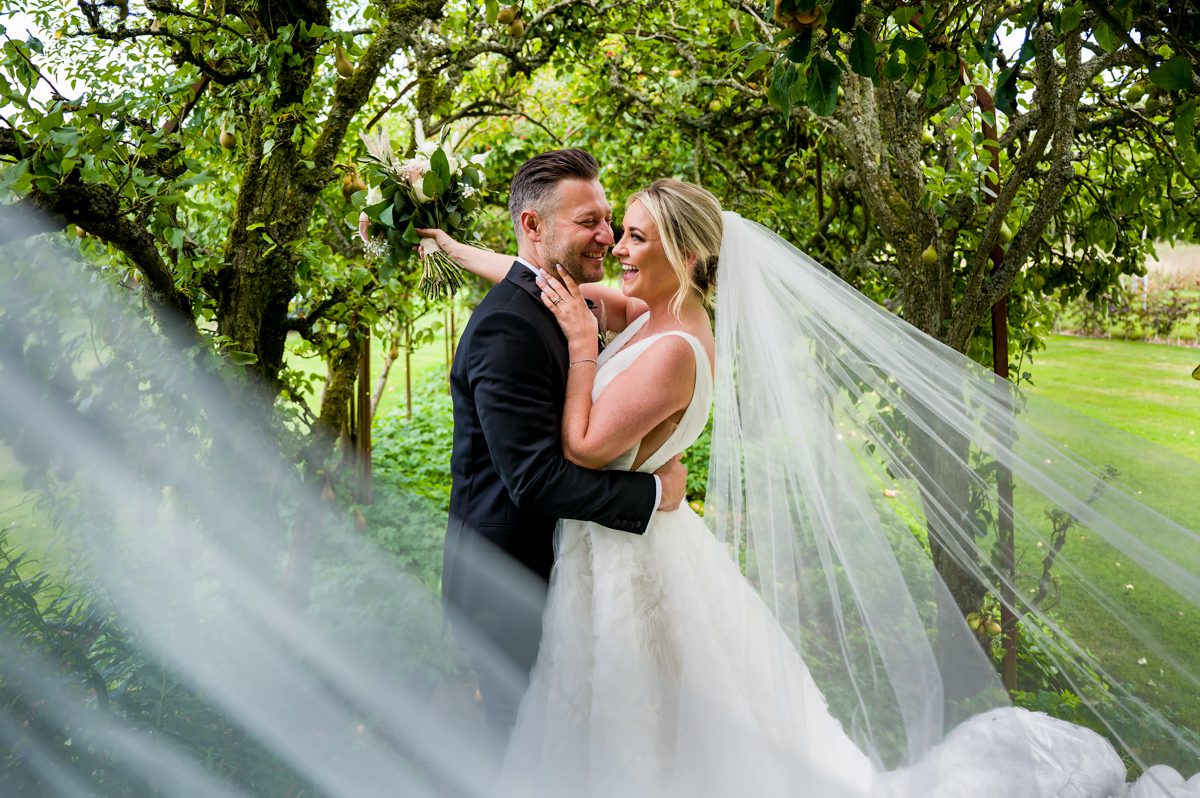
556 300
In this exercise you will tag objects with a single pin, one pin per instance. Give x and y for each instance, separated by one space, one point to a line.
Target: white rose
415 174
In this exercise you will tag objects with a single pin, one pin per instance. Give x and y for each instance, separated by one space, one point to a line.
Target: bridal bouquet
434 188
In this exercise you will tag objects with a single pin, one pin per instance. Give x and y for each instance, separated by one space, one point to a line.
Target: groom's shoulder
508 296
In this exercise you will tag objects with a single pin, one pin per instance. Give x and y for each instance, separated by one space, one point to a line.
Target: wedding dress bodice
620 355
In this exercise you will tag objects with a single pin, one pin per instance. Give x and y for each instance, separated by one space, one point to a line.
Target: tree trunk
273 211
334 416
945 489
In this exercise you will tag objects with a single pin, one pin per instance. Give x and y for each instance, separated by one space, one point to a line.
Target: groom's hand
673 475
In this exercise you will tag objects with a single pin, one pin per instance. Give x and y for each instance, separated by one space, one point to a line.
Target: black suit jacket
511 481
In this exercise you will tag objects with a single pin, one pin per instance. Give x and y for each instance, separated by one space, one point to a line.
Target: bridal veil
846 445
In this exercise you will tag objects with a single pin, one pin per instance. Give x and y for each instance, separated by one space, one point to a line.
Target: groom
511 481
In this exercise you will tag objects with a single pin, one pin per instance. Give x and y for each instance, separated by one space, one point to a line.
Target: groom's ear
532 225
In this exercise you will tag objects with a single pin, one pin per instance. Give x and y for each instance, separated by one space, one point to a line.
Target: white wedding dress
662 673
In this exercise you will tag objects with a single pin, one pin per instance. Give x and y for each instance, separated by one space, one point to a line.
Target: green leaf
411 236
386 217
194 180
10 176
440 164
760 60
243 358
432 185
843 13
1185 127
916 49
783 78
1108 38
988 46
862 53
894 69
1006 91
797 52
1174 75
1070 17
823 79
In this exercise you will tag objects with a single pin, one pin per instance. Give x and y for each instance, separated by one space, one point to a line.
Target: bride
809 646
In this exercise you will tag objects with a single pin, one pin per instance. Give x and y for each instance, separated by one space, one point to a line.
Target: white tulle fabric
687 663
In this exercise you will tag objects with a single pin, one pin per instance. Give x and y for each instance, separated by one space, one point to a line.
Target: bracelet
584 360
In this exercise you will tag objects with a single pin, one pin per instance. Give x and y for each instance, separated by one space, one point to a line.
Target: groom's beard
558 252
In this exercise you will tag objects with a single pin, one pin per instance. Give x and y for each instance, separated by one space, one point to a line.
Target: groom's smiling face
578 230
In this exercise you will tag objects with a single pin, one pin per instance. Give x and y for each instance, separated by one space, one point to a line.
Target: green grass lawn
1144 390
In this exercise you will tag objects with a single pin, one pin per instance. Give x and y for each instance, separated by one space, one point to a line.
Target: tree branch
352 92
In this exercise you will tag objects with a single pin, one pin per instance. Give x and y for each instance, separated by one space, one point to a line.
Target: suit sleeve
513 388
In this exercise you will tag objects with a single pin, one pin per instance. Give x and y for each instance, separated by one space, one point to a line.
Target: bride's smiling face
645 271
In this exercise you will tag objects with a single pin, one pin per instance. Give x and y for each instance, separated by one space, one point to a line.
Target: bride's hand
444 240
491 266
578 323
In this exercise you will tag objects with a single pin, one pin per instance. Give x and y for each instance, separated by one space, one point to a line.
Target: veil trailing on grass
851 452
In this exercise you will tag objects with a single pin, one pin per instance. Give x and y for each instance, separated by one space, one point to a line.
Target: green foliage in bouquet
432 189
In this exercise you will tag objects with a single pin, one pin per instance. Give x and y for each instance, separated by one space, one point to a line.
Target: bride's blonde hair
688 218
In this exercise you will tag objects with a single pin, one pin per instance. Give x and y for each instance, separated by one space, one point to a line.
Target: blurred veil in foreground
184 655
180 658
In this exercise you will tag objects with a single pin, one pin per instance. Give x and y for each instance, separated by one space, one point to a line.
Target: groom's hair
533 184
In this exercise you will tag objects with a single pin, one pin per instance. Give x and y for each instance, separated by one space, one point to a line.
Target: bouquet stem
441 277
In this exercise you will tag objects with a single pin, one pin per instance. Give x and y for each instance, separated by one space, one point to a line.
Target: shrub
411 476
696 460
1165 309
413 455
